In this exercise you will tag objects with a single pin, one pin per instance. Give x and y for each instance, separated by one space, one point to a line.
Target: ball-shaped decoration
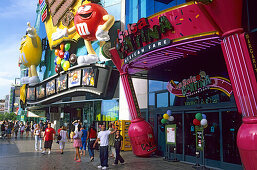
204 116
166 116
66 55
203 122
196 122
198 116
67 46
55 61
58 60
61 54
205 126
171 118
62 47
62 62
73 58
58 68
66 65
169 112
163 121
56 52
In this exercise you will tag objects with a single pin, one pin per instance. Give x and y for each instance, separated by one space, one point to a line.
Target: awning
37 114
175 51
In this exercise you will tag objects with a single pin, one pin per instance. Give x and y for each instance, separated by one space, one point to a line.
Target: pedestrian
64 136
27 128
117 145
91 138
3 129
16 129
77 144
22 128
111 141
9 130
48 138
38 138
41 124
83 140
103 137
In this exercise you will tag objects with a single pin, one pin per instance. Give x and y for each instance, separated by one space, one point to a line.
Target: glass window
231 121
110 110
172 99
162 99
151 100
157 85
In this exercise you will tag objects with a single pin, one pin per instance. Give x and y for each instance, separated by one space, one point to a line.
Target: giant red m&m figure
87 20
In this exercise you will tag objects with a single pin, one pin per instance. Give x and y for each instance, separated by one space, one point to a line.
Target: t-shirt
104 137
63 134
49 134
92 133
118 140
84 135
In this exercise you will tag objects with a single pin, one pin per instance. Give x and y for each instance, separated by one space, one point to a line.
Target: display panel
61 83
40 91
50 87
31 93
74 78
89 76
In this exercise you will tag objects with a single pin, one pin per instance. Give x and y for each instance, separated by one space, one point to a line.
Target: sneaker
36 150
122 163
99 166
43 152
49 152
104 167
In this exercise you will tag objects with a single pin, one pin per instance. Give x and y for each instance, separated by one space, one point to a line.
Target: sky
14 16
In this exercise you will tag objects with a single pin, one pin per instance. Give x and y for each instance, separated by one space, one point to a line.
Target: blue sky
14 16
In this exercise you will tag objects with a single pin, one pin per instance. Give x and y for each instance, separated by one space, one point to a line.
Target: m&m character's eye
87 7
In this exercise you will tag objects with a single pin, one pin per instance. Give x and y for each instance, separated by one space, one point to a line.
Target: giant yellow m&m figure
31 52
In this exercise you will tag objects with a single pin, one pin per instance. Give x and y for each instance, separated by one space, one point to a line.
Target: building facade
171 66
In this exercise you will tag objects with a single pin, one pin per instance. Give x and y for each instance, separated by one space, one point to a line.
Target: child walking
118 143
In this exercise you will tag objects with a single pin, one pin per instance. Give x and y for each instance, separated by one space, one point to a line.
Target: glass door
212 137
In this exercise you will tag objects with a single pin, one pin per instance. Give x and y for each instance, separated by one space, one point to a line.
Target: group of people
80 136
109 139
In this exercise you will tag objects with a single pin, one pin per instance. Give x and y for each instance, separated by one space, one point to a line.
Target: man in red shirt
48 138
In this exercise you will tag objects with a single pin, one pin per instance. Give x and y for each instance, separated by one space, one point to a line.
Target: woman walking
38 138
27 129
91 138
83 140
22 129
77 144
64 137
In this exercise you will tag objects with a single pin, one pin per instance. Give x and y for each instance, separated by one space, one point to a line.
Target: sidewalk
20 155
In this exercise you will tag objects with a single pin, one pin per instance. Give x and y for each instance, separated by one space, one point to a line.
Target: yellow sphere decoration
31 51
166 116
58 60
66 65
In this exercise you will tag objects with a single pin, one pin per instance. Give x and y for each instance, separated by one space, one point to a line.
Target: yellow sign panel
59 19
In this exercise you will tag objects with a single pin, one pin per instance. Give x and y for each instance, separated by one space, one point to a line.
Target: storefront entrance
220 137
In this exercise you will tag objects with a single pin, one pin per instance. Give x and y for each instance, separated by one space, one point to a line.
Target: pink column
244 84
140 132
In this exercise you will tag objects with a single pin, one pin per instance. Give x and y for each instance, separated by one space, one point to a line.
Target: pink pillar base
247 143
142 137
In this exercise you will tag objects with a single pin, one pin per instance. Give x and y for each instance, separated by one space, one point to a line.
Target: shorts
48 144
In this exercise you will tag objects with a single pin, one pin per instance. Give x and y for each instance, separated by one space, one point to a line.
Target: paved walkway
20 155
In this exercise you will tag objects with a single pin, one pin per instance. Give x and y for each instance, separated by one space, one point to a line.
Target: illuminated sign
140 34
197 84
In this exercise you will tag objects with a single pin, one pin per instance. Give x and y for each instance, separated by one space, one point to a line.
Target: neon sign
199 83
140 34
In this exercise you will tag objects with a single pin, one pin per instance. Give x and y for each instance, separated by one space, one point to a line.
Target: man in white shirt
103 136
